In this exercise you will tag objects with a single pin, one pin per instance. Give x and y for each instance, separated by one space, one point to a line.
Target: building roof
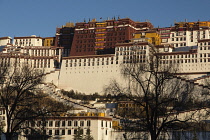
48 37
163 46
111 105
6 37
185 49
131 43
23 37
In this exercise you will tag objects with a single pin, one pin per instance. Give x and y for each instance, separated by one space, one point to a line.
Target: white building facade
66 128
27 41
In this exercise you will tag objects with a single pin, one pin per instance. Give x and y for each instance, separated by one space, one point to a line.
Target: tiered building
93 37
91 53
185 33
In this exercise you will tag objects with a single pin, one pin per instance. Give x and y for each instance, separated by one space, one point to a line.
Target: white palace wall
90 74
88 79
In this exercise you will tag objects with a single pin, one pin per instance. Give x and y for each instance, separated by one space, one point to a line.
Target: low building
66 127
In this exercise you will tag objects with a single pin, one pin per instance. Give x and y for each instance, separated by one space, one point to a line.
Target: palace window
88 123
69 132
101 123
56 132
81 123
50 123
75 123
57 124
63 123
50 132
63 132
69 123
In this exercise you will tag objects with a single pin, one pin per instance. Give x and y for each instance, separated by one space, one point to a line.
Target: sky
41 17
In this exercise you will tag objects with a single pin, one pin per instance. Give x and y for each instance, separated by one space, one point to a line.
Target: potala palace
86 56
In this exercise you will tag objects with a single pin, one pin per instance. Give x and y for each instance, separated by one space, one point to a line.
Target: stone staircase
201 77
55 93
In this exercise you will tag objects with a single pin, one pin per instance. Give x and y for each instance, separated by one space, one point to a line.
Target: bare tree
18 85
159 94
79 134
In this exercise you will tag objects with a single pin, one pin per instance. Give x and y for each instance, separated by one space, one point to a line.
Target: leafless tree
159 94
18 85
